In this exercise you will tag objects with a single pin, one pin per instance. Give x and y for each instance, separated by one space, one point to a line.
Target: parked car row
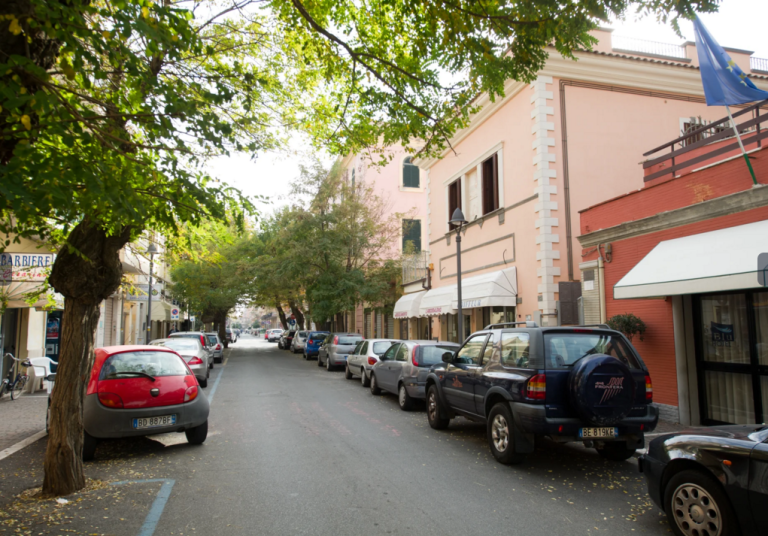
571 384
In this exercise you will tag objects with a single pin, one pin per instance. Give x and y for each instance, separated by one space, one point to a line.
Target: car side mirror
447 357
382 358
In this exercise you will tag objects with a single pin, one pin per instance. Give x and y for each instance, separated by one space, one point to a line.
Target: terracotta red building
682 254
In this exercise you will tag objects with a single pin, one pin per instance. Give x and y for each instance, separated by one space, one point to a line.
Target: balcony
650 48
414 267
759 65
708 144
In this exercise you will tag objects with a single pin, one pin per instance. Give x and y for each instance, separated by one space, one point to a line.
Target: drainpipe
601 288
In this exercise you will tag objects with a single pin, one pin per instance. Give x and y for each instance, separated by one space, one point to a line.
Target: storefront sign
142 293
25 266
722 332
471 304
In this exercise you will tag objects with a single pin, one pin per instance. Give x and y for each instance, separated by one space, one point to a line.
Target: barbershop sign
25 266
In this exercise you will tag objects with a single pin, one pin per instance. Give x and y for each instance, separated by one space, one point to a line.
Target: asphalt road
294 449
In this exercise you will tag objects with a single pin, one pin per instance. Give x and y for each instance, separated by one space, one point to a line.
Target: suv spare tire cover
602 389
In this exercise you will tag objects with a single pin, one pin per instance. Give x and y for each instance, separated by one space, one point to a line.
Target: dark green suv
584 384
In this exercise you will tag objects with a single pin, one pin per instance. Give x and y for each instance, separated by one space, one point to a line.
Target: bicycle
11 385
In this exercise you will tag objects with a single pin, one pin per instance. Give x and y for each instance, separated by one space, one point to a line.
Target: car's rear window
302 334
320 337
433 354
212 339
181 345
147 362
563 350
381 347
349 339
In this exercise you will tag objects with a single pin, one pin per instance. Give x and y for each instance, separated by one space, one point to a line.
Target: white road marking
21 444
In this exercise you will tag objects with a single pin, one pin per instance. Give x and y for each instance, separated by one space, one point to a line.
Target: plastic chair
41 368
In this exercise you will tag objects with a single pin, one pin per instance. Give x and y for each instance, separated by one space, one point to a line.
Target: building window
411 236
410 173
454 199
490 170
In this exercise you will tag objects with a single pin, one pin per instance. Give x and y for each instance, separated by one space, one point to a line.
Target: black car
711 481
583 384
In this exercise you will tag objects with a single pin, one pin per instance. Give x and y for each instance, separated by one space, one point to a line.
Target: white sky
738 24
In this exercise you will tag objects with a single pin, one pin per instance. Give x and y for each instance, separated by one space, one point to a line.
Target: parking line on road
21 444
156 510
215 385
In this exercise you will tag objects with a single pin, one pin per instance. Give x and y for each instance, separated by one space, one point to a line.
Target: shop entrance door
732 356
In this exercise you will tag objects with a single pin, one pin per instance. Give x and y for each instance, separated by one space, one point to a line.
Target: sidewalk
21 418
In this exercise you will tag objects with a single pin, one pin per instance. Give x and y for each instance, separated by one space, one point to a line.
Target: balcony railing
414 267
630 44
758 64
708 144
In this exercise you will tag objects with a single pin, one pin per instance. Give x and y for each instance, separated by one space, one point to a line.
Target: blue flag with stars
724 81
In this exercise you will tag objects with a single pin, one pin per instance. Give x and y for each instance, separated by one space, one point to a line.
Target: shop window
411 236
490 169
410 173
454 199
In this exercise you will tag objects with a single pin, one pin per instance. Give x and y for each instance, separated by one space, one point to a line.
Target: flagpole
743 151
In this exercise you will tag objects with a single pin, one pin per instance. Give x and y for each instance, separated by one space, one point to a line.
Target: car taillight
536 387
310 341
413 356
195 361
218 346
372 361
191 393
202 341
111 400
648 389
336 340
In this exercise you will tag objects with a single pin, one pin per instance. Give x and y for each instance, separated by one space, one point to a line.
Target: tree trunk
297 313
221 321
86 275
281 314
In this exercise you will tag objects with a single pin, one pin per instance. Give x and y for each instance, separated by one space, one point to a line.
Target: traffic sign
175 313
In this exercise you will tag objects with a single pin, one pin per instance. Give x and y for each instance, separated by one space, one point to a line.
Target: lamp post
151 250
459 221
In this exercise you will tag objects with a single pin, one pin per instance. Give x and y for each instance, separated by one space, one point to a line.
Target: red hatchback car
142 390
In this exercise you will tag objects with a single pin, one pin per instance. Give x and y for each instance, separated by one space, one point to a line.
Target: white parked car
365 355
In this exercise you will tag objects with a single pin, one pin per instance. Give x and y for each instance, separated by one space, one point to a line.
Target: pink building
400 185
528 163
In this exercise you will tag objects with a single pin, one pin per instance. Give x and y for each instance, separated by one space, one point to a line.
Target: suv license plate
589 433
153 422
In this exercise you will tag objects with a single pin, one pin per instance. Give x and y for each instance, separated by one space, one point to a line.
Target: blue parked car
314 341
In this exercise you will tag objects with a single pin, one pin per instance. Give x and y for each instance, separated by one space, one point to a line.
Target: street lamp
151 250
459 221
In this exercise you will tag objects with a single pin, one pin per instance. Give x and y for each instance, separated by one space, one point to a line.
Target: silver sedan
299 340
365 355
191 350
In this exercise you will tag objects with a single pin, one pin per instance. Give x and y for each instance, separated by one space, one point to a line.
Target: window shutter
410 174
570 292
491 184
454 199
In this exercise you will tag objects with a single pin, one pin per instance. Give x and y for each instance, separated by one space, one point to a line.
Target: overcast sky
739 24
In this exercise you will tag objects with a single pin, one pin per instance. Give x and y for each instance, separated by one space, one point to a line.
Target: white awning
438 301
489 290
408 305
716 261
161 310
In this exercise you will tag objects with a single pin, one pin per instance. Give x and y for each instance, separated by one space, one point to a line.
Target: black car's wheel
616 451
696 505
197 435
404 399
365 380
501 435
304 355
89 446
210 365
347 373
434 408
203 382
374 385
